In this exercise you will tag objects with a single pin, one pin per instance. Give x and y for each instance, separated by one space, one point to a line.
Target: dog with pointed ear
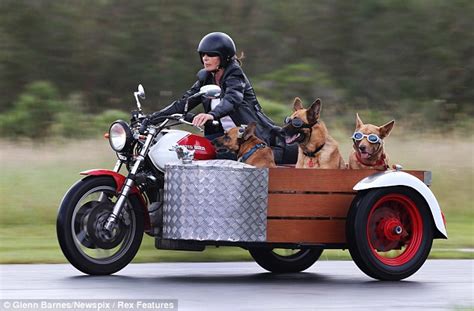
368 146
316 148
249 148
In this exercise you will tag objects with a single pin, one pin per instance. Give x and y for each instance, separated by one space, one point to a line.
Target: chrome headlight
120 136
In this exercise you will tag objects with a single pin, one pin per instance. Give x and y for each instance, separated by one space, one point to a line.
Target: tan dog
248 147
368 146
316 148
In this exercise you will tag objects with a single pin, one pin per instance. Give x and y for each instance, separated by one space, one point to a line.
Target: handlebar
144 125
190 116
181 118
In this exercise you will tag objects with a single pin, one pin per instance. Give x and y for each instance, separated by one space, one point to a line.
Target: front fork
129 183
117 167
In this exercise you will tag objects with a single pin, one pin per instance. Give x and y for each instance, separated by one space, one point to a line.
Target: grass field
34 179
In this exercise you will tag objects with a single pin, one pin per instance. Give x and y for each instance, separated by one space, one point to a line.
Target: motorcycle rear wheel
81 216
285 260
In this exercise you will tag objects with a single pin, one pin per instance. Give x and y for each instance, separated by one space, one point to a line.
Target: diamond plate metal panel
215 202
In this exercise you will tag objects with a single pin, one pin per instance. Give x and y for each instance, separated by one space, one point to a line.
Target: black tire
270 260
389 232
73 227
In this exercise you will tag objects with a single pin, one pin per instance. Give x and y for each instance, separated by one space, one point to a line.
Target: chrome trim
118 166
427 178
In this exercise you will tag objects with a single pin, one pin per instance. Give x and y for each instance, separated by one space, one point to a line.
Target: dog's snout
362 147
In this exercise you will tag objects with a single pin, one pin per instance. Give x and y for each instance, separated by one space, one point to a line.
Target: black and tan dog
316 148
368 146
248 147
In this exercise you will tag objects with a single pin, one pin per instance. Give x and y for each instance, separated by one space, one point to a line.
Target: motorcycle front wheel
79 227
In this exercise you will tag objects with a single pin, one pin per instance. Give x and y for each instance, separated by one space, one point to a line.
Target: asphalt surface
328 285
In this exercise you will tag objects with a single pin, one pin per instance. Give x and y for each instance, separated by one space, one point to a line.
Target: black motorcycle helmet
217 43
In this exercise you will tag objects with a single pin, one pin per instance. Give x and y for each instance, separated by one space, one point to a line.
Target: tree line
400 58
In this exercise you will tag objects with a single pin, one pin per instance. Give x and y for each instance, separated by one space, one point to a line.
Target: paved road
328 285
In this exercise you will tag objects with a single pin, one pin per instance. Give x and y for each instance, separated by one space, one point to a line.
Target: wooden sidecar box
230 202
310 206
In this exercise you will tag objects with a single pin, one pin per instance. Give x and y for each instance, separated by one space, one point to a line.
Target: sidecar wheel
81 216
389 232
285 260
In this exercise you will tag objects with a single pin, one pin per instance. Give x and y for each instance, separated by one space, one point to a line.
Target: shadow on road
257 278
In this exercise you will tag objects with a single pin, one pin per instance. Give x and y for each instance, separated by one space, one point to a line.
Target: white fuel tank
160 153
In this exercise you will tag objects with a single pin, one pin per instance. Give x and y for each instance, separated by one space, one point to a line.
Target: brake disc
95 227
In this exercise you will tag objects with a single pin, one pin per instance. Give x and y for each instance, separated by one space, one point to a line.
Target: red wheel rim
394 229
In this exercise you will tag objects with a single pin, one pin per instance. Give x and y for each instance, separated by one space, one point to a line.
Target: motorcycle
285 217
102 218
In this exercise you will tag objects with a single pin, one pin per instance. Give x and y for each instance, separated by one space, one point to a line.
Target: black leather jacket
238 101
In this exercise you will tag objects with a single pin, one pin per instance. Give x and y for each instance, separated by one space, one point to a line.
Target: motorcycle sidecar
286 217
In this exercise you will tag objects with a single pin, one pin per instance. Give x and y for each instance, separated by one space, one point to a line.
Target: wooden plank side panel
306 231
292 179
312 193
308 205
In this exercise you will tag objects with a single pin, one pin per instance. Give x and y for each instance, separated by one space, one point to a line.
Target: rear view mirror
141 91
210 91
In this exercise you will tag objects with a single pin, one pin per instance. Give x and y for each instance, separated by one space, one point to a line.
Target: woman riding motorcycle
237 105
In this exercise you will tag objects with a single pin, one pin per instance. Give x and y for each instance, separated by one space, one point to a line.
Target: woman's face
211 61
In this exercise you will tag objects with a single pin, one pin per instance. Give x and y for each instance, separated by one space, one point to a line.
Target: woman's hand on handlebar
201 119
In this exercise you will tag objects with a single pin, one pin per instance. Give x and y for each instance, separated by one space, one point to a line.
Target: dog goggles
372 138
242 129
297 123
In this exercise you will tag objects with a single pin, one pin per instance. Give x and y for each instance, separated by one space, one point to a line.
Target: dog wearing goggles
248 147
368 146
316 149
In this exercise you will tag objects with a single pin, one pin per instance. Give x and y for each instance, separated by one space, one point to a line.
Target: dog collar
378 163
313 154
249 153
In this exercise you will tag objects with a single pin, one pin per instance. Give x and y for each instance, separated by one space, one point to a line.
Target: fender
397 178
119 181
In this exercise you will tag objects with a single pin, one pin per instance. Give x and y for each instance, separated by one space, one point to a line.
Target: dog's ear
250 130
314 111
386 129
359 122
297 104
